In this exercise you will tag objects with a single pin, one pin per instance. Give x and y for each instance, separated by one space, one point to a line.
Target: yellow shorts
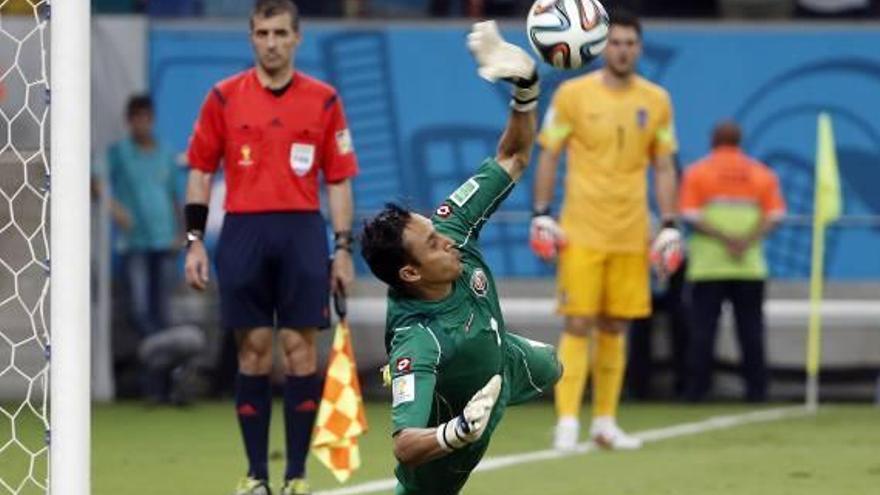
598 283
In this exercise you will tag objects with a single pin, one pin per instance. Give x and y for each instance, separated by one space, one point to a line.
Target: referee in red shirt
276 130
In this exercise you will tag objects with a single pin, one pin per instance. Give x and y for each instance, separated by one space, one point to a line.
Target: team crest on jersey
642 117
479 283
403 365
245 160
444 211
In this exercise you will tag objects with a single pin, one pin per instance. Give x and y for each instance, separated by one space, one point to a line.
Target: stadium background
421 120
774 78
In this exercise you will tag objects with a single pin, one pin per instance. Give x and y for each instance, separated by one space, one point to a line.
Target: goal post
70 343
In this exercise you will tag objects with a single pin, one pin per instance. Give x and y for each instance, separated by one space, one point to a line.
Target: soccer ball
567 34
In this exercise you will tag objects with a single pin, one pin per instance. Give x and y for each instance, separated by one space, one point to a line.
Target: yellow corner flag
827 207
341 419
827 198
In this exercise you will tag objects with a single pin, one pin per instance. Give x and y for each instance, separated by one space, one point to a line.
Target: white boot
606 434
565 437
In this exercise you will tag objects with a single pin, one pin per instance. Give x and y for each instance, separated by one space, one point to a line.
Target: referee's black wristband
196 217
343 240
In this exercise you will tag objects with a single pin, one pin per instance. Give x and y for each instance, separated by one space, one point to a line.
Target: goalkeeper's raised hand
498 59
470 425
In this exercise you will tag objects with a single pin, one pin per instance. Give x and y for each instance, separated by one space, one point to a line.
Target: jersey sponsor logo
302 157
479 283
245 160
344 144
403 390
403 365
465 192
642 117
444 211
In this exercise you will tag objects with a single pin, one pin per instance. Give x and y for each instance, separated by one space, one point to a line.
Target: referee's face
436 259
274 41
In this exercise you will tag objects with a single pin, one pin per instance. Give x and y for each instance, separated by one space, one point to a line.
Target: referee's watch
192 236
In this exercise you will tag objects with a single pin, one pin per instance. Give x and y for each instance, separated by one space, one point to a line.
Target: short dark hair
625 18
137 104
726 133
271 8
382 244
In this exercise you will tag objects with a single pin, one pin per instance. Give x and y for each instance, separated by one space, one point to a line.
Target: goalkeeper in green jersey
454 366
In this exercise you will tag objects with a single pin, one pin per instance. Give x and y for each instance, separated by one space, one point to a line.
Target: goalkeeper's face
435 259
623 50
275 41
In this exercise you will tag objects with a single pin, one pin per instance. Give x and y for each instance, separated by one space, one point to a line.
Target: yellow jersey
611 135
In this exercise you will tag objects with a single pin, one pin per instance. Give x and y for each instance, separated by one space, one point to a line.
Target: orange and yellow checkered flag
341 419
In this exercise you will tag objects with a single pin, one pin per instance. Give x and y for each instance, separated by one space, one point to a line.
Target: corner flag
827 199
827 207
341 417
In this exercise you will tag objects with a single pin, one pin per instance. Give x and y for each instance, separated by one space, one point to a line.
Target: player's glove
498 59
546 237
666 250
470 425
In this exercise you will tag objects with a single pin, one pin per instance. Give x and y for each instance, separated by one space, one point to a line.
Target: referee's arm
339 198
198 192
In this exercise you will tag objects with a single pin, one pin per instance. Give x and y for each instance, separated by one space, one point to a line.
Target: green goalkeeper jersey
442 352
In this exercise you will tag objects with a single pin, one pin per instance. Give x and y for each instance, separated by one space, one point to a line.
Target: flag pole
814 336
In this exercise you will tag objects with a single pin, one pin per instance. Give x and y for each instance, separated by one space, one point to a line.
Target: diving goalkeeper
454 366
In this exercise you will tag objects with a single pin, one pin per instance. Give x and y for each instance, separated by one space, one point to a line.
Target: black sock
301 397
253 404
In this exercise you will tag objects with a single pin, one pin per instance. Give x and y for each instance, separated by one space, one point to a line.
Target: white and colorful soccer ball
567 34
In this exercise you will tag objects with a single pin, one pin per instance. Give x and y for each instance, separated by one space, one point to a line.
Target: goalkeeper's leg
532 369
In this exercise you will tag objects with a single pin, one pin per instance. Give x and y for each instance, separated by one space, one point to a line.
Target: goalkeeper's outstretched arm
416 446
498 59
515 146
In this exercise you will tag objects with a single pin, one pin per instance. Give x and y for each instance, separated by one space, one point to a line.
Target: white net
24 247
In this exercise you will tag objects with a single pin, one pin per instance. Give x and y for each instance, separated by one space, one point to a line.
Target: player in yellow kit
613 124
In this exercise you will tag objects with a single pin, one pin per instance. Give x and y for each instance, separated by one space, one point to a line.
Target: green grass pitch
141 451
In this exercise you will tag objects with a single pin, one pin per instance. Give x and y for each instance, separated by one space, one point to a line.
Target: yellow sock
569 391
610 363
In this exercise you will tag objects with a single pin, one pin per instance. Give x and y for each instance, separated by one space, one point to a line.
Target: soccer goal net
44 408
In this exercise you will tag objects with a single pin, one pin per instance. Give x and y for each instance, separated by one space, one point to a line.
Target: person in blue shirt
143 176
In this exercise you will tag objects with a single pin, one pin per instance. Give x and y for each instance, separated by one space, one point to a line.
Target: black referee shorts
273 270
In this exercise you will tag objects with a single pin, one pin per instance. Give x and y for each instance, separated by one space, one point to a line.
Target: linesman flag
341 419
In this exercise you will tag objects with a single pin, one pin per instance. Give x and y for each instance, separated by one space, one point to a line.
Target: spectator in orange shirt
732 202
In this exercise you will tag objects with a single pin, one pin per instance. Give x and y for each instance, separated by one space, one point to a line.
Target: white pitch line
681 430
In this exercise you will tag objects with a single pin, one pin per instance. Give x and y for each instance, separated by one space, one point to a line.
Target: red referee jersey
273 147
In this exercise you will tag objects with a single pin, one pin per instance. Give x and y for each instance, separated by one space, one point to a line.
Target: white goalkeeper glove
470 425
546 237
498 59
666 251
